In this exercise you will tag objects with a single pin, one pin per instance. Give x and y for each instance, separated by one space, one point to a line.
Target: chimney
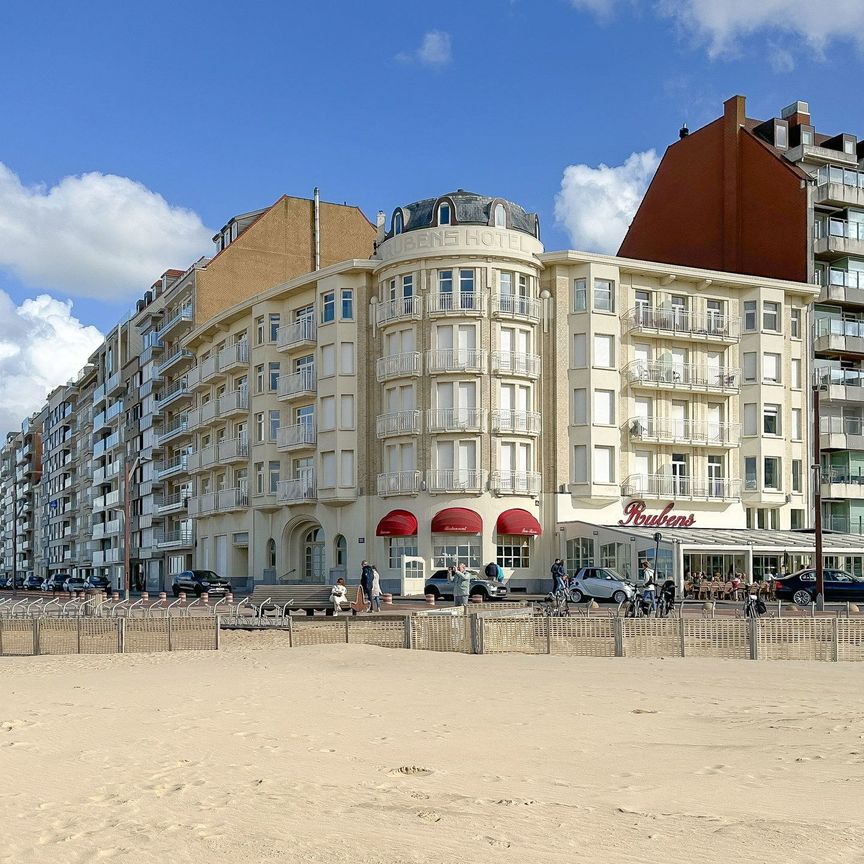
381 223
798 113
683 132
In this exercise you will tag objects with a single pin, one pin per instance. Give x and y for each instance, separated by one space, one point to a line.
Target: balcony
233 449
297 384
841 385
106 529
177 427
671 375
152 347
175 503
680 488
176 319
516 363
843 523
398 483
459 303
234 402
300 334
106 473
398 310
840 481
515 482
193 378
174 393
839 187
398 366
298 490
222 501
177 538
105 417
205 414
841 433
109 443
398 423
296 437
176 357
515 422
514 306
677 323
103 557
171 467
233 356
440 360
106 502
455 480
837 238
665 430
836 335
455 419
202 459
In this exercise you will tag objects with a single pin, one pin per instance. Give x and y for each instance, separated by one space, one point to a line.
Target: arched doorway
314 557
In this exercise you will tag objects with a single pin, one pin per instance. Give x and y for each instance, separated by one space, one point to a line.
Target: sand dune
360 754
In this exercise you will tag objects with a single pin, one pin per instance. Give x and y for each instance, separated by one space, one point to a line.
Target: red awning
397 523
518 521
457 520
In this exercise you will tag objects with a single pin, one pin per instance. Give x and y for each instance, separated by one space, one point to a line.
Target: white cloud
596 205
434 50
41 346
93 235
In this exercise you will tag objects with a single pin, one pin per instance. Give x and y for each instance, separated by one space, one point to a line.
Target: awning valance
397 523
518 521
457 520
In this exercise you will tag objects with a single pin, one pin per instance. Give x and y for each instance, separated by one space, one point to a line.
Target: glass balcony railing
839 327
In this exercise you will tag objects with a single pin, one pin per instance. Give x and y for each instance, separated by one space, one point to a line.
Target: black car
19 581
198 582
800 587
55 582
33 583
98 583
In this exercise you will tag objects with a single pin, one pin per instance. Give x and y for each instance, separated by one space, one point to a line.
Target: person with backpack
491 571
366 576
559 576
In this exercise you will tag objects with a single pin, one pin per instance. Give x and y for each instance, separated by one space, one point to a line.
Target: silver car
599 583
441 587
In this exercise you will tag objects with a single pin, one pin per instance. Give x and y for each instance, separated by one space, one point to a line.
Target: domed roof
468 208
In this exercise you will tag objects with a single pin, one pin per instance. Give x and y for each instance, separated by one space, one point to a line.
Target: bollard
182 597
145 596
386 599
115 596
229 599
430 599
476 598
205 598
162 597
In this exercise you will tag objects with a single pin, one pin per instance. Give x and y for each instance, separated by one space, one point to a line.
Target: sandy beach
361 754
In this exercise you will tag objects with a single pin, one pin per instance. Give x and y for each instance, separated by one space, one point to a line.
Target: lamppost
127 527
817 500
657 538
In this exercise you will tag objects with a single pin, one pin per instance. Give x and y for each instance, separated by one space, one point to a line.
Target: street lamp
657 538
127 528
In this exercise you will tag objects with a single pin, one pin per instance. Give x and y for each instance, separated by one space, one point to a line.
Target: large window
348 304
453 549
580 407
604 351
513 551
398 548
604 465
580 295
604 295
750 312
273 471
771 317
770 368
328 307
750 366
580 553
795 323
274 419
750 418
580 464
273 375
274 320
771 420
750 481
795 375
580 351
772 473
796 475
604 408
796 424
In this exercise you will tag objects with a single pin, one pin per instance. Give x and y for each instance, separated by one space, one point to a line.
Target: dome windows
398 222
499 215
444 213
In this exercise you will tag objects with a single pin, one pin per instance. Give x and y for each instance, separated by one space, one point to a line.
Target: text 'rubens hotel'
462 395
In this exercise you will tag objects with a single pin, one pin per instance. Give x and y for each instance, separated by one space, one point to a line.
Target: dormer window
781 136
444 214
398 223
807 137
500 216
849 146
226 237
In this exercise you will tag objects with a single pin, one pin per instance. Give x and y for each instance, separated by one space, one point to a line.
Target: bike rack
50 603
116 607
31 605
155 608
170 606
138 602
67 604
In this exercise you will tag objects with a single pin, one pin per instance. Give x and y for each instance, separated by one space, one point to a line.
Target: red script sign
634 514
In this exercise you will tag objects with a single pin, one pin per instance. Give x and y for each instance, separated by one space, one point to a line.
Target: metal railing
515 421
839 425
672 374
455 480
516 306
516 363
296 383
455 419
236 400
515 482
695 324
844 176
177 389
174 357
175 427
455 360
826 377
172 466
684 487
232 355
219 501
684 431
397 365
178 537
298 435
299 333
456 303
839 327
830 226
172 502
398 483
398 309
296 490
398 423
176 316
843 474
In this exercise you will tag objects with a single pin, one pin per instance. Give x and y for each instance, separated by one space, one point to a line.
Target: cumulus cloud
434 50
42 345
596 205
93 235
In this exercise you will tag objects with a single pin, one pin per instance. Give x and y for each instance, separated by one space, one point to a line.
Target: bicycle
557 604
753 606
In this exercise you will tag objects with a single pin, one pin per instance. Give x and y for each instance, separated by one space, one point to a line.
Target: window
328 469
259 378
513 551
604 295
580 351
500 216
346 358
750 418
771 420
346 468
771 317
445 282
449 549
806 137
797 466
604 348
781 136
273 375
399 548
580 464
796 520
259 330
604 469
275 419
750 482
328 307
750 366
259 428
750 315
443 214
580 553
848 147
580 407
466 286
770 368
346 411
398 223
274 319
348 304
795 374
796 424
259 478
604 408
795 323
328 360
580 295
273 472
771 477
328 412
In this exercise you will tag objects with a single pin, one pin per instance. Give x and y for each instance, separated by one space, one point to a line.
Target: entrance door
643 424
642 353
680 431
313 557
715 421
714 368
680 480
679 366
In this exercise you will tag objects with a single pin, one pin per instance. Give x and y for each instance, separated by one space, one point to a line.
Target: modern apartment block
779 198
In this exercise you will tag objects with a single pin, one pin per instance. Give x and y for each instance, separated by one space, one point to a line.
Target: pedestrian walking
366 576
461 585
375 591
559 576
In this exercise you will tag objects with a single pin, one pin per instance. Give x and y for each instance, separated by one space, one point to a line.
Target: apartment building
7 505
779 198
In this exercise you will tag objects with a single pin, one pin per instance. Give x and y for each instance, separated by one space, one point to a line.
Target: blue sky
222 107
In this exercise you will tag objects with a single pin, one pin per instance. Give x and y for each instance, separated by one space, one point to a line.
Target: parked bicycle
754 606
558 604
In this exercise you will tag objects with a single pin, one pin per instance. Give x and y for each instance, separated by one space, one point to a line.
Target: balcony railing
839 327
398 365
398 483
454 480
236 400
109 443
176 427
220 501
296 490
107 416
455 419
457 303
843 176
296 383
516 422
844 474
100 475
830 226
171 503
106 529
844 524
397 310
398 423
233 448
298 435
516 363
234 355
667 486
646 319
105 502
832 377
182 315
102 557
455 360
706 432
838 425
208 366
515 482
176 465
514 306
303 332
686 376
175 391
176 356
178 538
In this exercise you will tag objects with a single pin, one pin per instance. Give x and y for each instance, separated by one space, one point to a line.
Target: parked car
600 583
198 581
98 583
55 582
19 581
441 587
800 587
74 583
33 583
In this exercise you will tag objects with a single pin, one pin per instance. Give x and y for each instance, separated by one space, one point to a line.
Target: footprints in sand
429 816
410 771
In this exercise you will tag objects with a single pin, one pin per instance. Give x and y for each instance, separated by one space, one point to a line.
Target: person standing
559 576
461 585
366 576
375 591
649 585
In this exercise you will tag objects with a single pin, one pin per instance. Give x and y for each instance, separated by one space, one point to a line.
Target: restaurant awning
518 521
397 523
457 520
